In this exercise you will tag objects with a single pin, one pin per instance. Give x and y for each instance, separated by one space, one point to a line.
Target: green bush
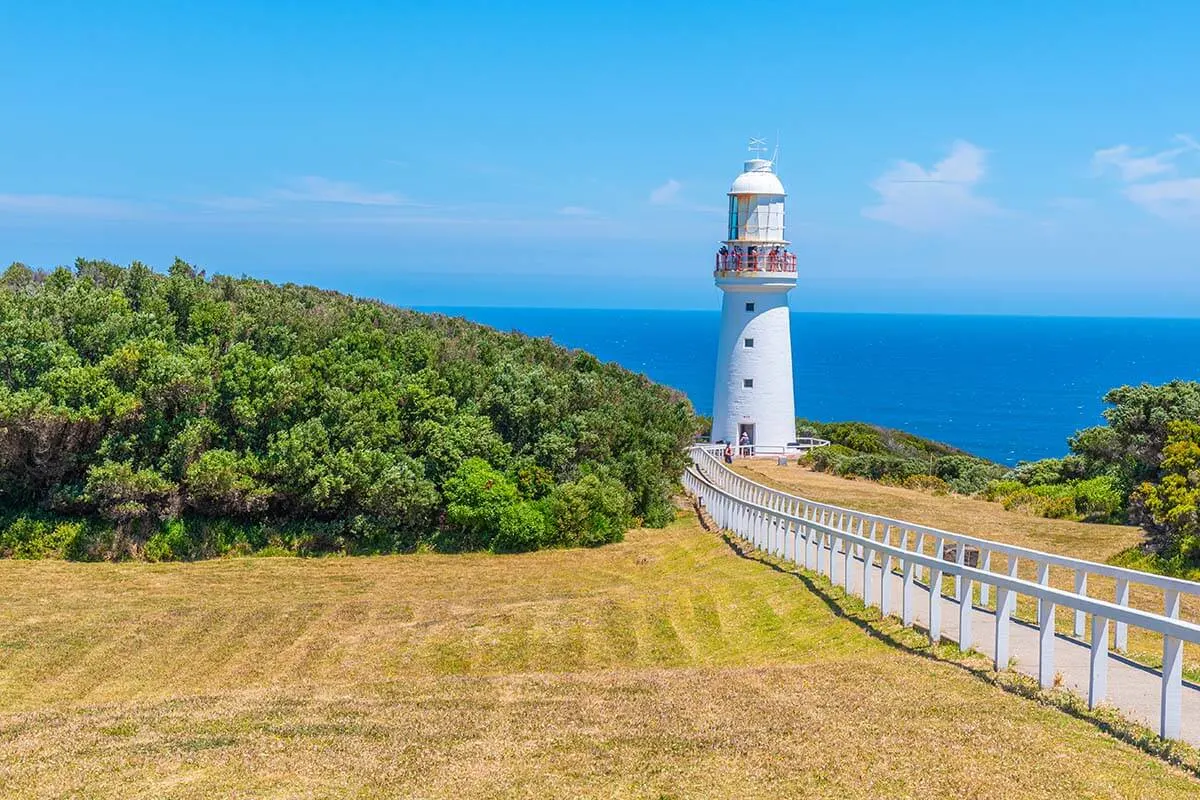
169 543
827 459
254 413
27 536
997 490
1099 499
521 526
926 483
590 512
966 474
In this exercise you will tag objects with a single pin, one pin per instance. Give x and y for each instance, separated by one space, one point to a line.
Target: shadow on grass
891 631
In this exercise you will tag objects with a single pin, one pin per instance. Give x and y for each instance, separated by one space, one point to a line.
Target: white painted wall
770 405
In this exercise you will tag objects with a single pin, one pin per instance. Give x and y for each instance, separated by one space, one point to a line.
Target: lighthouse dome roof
758 178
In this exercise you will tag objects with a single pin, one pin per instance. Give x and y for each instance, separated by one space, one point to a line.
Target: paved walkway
1132 689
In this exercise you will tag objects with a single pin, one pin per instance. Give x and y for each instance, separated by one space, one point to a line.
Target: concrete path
1132 689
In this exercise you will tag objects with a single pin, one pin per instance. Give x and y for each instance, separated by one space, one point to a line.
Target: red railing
773 260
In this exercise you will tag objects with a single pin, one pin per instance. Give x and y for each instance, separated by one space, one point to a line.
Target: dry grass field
666 666
990 520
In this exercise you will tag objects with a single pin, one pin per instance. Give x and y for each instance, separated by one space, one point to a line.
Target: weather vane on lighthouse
753 400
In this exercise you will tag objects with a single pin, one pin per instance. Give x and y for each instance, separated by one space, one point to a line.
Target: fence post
1005 601
1080 589
1045 644
821 548
965 642
935 595
848 561
960 558
906 602
867 594
807 529
1043 577
985 563
1171 700
1122 633
1098 662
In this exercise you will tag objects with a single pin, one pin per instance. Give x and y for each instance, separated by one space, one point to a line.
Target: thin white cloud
70 206
315 189
1133 167
920 199
1175 197
667 194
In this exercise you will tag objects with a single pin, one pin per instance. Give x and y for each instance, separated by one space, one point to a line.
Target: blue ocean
1006 388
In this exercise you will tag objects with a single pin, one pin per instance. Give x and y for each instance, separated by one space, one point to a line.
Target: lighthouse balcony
730 263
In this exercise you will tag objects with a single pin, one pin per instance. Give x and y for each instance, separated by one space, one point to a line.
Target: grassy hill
663 666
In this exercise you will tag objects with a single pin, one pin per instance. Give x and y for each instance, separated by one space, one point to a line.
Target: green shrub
876 466
998 490
168 543
589 512
27 536
966 474
521 526
1099 499
926 483
827 459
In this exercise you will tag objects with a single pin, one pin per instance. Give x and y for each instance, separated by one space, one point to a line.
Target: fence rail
814 534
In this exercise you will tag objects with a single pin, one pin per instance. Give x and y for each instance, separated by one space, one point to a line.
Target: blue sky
1018 157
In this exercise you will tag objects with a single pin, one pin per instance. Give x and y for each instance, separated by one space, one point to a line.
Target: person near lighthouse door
745 443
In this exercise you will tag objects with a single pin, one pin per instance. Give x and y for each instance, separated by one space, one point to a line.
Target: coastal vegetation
662 666
1141 467
178 416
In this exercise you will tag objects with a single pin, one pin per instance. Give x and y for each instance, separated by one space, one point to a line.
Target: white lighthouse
755 272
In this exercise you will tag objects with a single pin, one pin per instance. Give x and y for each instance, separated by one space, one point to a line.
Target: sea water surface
1006 388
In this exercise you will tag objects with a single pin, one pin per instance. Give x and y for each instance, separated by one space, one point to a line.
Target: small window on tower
747 383
749 306
748 342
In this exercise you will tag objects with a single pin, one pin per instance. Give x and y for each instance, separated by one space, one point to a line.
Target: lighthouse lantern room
753 399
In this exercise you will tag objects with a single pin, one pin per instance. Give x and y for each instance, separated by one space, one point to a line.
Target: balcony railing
774 260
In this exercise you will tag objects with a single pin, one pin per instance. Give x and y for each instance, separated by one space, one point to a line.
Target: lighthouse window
747 383
733 218
749 306
748 342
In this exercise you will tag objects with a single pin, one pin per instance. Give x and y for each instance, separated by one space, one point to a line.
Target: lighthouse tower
755 272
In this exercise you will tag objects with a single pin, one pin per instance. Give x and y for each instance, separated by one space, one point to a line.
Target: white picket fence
816 535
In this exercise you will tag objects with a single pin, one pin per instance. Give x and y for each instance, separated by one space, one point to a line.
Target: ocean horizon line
439 308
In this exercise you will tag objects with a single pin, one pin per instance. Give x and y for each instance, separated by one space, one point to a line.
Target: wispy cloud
920 199
667 194
1174 197
315 189
1133 167
71 206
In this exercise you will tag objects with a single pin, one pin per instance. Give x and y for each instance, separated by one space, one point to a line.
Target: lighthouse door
746 429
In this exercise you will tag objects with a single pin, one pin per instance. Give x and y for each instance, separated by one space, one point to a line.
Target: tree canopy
200 414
